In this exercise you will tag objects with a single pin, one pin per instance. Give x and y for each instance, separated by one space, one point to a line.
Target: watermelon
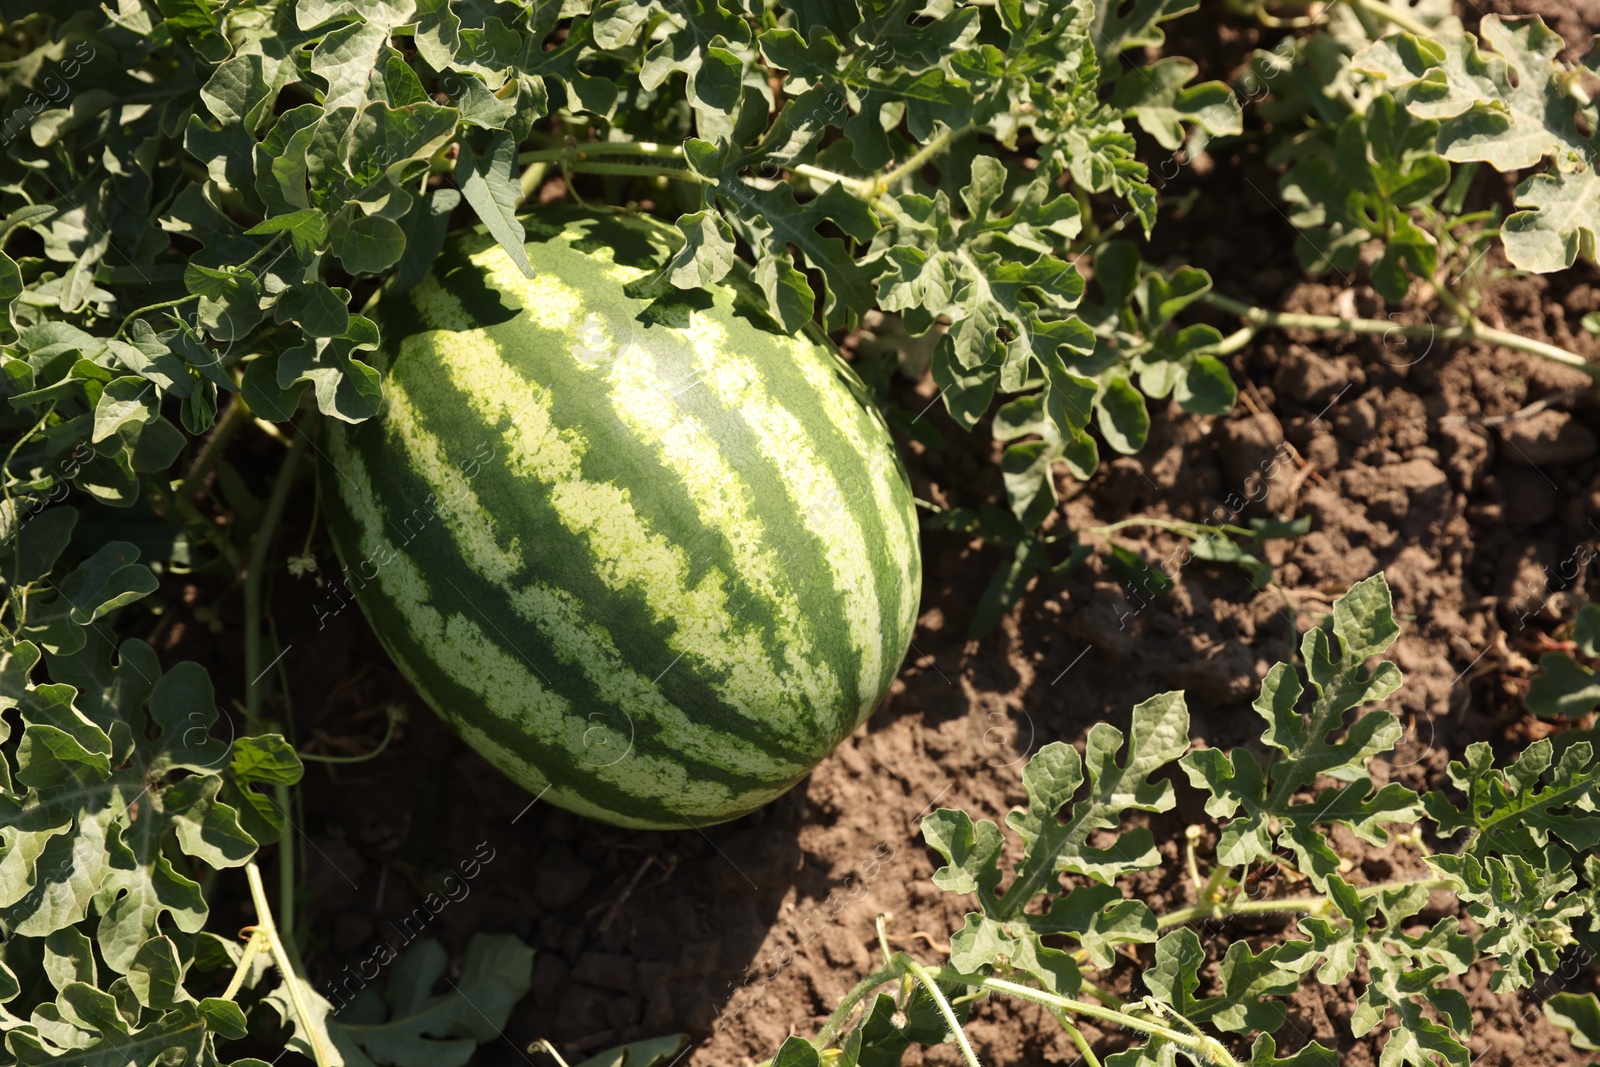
648 554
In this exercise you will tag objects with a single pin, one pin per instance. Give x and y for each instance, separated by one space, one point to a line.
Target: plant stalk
252 948
921 974
1207 1048
915 162
1258 319
1077 1039
1391 14
836 1021
388 735
165 503
903 964
257 566
578 158
1285 904
287 969
237 414
1188 529
577 152
259 547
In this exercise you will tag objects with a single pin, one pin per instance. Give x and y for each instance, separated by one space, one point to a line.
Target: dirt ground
744 933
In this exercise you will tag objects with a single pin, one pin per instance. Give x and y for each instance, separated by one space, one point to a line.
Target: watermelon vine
200 203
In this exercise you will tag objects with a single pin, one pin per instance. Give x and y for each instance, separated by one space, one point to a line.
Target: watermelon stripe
451 650
790 549
657 402
894 522
811 486
527 505
623 551
572 638
783 442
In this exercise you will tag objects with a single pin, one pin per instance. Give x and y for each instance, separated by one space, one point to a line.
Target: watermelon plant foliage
198 199
1515 846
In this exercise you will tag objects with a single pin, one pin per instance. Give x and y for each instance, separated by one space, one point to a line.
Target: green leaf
1161 100
411 1026
1579 1015
321 311
1523 910
970 852
265 396
107 580
1206 387
425 233
1005 588
887 1031
1123 420
1052 779
1509 108
1141 576
1100 919
307 228
68 958
1383 162
486 172
796 1052
39 543
184 1031
1263 1053
1245 978
1524 808
367 244
123 401
1563 688
1586 630
266 758
706 254
1118 27
230 301
1556 225
183 706
1363 626
346 387
652 1052
156 975
1030 486
243 87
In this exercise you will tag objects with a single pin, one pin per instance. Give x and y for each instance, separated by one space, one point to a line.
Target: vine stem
180 301
388 735
915 162
252 949
1077 1039
237 415
1307 905
921 974
902 964
577 157
1258 319
836 1021
165 503
1391 14
1206 1047
257 566
286 966
1186 528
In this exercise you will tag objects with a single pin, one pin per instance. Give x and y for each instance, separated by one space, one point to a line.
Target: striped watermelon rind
653 559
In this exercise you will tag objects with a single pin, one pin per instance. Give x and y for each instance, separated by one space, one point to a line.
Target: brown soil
744 933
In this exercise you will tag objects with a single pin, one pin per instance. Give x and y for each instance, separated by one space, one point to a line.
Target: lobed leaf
1509 108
